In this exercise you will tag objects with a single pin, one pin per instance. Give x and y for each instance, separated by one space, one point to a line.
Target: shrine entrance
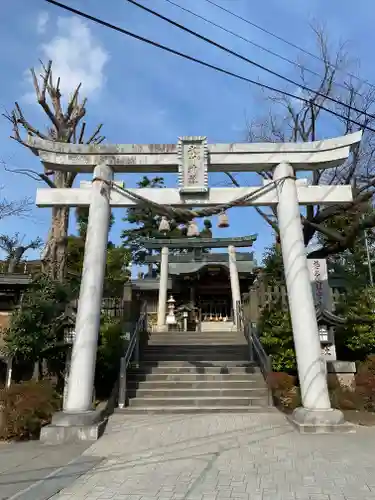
213 295
193 160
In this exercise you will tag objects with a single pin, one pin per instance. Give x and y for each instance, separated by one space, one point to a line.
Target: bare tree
10 208
15 249
64 126
289 120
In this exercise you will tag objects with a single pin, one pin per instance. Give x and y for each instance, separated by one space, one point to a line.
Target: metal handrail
256 348
133 348
264 359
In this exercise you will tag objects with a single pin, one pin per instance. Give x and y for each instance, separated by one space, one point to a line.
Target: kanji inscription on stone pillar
319 282
192 156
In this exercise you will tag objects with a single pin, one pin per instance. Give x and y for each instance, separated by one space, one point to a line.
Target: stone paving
24 467
225 457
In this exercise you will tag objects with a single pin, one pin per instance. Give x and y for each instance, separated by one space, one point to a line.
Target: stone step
195 410
196 332
189 376
194 393
198 343
192 359
195 349
182 345
222 383
216 333
195 369
193 332
217 327
209 326
232 333
197 401
202 363
198 336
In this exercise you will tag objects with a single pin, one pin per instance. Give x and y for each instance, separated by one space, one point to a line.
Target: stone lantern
171 318
327 322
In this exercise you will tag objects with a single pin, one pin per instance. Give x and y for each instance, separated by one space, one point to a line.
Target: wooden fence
262 295
112 307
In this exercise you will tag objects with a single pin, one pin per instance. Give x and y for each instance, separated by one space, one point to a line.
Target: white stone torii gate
192 158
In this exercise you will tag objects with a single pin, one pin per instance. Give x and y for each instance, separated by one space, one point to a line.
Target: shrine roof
242 241
329 317
175 269
207 258
148 284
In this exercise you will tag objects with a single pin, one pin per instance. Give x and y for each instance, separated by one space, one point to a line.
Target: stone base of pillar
320 421
74 427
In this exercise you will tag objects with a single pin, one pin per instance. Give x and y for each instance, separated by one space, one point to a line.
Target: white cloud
77 56
41 23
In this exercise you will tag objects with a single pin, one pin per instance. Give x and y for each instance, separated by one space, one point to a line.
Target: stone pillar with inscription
323 302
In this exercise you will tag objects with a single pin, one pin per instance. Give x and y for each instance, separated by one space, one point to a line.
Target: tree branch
36 176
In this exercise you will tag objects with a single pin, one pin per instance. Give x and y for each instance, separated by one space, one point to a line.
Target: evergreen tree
118 258
352 263
273 269
146 224
38 325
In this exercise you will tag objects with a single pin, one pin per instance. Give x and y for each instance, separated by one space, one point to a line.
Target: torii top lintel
240 157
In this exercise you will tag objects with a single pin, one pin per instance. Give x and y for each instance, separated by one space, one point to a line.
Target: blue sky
143 95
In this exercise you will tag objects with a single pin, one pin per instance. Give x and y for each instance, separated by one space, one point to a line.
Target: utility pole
368 260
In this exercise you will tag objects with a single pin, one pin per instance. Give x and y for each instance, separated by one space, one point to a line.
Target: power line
291 44
257 45
202 63
246 59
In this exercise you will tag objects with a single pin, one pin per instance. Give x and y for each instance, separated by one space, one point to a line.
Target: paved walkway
32 471
225 457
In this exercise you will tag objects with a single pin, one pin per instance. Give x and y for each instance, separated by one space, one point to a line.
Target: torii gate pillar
82 368
79 419
312 377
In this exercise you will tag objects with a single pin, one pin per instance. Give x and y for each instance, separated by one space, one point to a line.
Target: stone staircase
196 372
217 326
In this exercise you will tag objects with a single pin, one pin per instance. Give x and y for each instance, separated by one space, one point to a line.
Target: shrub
365 383
343 398
25 408
367 367
363 395
284 390
281 381
356 339
277 338
111 346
